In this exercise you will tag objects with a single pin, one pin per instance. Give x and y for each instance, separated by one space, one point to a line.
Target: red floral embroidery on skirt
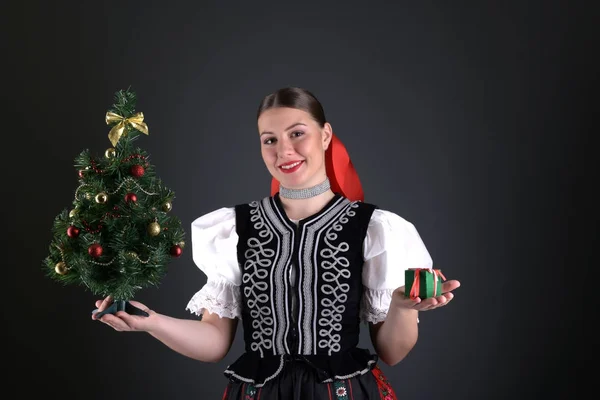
385 389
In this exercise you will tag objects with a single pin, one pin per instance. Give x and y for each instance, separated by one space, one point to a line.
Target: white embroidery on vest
309 270
278 281
335 271
256 268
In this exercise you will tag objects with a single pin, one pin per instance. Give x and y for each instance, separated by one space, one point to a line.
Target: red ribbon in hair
340 171
416 286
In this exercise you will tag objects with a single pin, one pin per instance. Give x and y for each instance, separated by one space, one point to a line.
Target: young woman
301 268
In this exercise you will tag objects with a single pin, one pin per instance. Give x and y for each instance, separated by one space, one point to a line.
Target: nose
284 147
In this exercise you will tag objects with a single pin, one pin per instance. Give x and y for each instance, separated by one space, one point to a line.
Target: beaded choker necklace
306 192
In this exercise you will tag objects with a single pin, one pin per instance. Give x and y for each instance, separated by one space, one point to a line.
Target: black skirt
299 380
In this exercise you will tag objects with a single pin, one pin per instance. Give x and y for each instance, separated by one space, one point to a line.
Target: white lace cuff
217 297
375 305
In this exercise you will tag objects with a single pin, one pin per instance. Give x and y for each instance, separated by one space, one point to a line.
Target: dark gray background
466 118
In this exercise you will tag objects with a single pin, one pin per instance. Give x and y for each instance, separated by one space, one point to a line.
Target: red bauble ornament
130 198
137 171
72 232
80 173
95 250
176 251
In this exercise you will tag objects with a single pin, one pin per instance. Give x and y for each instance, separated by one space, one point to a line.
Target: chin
288 181
291 183
295 181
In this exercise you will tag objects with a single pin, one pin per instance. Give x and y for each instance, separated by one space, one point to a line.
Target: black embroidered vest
301 284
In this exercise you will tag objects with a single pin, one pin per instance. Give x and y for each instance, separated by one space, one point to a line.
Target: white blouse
391 246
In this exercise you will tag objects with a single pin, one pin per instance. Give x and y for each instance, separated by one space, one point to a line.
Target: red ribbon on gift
416 286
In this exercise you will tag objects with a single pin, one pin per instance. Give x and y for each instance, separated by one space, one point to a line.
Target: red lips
293 169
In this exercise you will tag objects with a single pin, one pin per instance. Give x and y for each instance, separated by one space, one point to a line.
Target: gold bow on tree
136 121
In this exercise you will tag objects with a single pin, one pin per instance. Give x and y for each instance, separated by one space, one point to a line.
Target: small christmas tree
119 236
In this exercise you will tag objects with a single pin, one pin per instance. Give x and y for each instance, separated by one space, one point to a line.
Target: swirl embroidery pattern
258 262
335 266
310 275
279 283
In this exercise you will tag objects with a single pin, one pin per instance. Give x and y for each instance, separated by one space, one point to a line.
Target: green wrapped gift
423 282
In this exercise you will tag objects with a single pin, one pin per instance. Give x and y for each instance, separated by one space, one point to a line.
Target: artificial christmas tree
119 235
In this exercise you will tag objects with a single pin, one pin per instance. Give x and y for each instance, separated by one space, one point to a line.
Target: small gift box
423 282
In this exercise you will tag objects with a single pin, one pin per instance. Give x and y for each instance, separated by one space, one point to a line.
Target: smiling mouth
291 166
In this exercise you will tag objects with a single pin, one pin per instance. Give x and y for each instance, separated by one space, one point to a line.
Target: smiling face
293 146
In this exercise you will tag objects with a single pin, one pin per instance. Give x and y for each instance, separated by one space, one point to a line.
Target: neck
301 203
305 193
298 209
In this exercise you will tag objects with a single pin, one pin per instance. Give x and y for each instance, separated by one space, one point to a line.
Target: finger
101 305
441 300
97 310
427 304
112 325
409 303
400 290
444 299
127 319
114 322
108 319
105 303
412 303
448 286
139 305
119 327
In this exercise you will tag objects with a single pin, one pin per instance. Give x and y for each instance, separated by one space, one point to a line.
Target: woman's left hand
400 300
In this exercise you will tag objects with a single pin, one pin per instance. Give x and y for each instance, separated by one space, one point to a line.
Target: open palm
400 300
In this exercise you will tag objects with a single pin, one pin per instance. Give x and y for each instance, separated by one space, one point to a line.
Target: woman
301 269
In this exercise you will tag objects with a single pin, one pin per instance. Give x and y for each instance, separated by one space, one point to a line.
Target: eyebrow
287 129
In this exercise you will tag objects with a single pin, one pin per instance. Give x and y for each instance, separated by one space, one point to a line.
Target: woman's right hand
122 321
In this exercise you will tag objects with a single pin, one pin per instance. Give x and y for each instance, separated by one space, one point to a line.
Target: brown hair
294 97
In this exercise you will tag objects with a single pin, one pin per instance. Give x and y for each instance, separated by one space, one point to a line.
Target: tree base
122 305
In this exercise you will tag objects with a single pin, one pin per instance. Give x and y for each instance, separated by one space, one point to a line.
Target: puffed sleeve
391 246
214 251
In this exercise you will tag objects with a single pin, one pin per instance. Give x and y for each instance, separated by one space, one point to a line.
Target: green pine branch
125 102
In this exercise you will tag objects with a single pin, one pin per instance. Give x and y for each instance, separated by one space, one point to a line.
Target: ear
326 134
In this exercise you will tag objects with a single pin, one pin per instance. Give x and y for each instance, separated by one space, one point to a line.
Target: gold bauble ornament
88 196
154 229
60 268
181 244
110 153
131 254
167 206
101 198
73 212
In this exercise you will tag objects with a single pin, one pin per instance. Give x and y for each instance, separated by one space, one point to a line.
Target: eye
297 133
269 141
